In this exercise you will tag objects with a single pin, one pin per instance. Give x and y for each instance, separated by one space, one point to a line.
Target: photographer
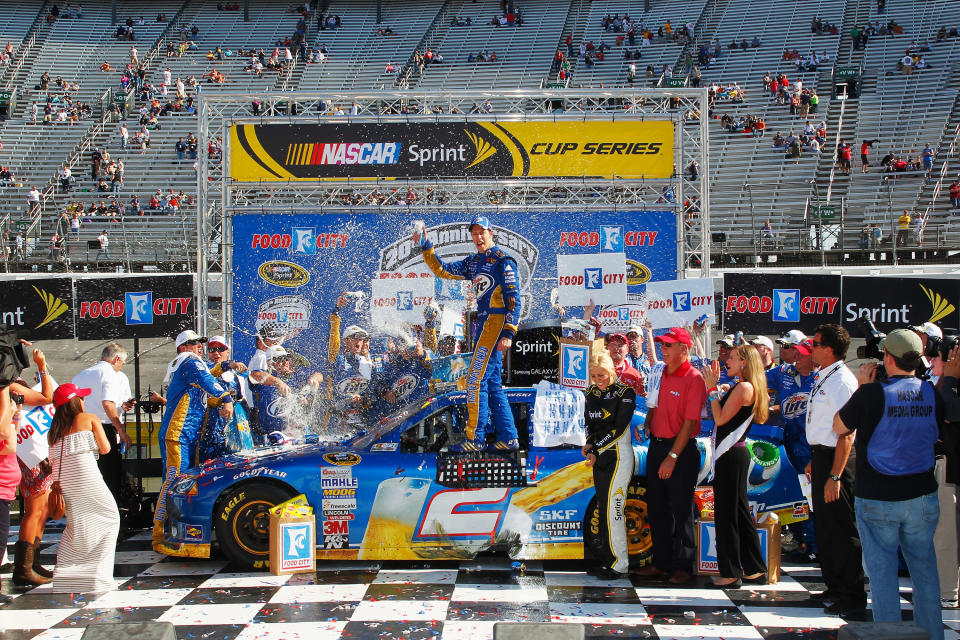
897 422
931 336
947 471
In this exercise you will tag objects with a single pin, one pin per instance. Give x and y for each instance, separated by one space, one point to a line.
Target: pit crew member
495 284
214 441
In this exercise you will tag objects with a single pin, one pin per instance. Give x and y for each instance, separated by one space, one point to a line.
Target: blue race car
393 492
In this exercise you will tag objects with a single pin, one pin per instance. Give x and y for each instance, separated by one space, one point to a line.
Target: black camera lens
17 398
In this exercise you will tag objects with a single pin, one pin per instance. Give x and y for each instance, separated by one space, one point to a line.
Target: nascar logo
321 153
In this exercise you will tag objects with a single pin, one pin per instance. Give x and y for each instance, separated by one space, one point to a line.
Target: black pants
738 545
4 523
836 528
111 464
670 506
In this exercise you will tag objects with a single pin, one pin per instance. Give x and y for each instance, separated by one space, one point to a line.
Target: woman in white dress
87 546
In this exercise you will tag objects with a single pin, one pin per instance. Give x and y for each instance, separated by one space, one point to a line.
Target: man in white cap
349 369
183 416
635 355
788 343
267 336
764 347
927 332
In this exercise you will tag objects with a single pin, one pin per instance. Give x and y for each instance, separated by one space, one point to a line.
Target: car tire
242 522
639 541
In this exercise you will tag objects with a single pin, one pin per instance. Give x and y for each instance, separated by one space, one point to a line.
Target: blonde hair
602 360
754 373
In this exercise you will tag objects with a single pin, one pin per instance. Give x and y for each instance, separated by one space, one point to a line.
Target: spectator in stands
104 245
906 64
66 178
75 224
903 228
954 193
927 157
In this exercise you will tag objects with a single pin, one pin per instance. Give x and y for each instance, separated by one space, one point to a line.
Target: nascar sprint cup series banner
626 149
290 269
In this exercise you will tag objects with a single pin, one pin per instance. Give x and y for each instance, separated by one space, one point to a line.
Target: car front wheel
242 522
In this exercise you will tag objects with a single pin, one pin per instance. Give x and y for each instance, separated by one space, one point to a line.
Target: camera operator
931 336
947 471
897 422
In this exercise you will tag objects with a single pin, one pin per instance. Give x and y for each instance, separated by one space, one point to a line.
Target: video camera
871 350
941 346
13 355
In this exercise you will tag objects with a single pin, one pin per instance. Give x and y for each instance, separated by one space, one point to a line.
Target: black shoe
606 573
803 557
824 596
844 608
760 579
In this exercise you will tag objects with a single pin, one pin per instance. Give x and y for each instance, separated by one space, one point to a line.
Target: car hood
269 456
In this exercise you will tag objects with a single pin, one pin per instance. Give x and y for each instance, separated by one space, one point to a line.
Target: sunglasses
218 349
192 342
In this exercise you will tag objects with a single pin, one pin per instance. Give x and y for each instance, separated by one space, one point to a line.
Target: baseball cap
616 336
792 337
67 392
804 348
483 221
276 351
763 340
728 340
930 329
676 334
222 340
189 335
353 331
900 342
635 328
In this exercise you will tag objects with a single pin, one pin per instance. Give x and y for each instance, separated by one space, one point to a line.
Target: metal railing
26 46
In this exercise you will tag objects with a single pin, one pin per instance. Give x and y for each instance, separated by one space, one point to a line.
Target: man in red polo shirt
673 460
618 345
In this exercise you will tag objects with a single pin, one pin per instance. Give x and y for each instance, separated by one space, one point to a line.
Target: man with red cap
618 345
673 460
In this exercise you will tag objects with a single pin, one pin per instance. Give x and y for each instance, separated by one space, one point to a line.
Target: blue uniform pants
486 399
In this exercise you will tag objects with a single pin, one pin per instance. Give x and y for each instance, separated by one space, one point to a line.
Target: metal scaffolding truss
220 197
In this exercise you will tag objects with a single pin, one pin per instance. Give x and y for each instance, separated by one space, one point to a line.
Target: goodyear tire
639 542
242 522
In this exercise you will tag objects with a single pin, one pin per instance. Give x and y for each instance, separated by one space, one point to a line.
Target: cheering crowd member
734 412
607 412
349 371
191 387
673 460
496 287
617 346
831 471
897 423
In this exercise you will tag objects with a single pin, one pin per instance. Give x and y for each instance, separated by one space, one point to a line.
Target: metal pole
379 11
246 10
113 12
136 395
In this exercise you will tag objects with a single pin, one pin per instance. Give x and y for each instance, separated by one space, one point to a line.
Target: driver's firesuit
495 285
607 416
348 376
192 387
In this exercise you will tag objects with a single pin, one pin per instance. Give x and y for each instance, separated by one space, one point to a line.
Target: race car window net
481 469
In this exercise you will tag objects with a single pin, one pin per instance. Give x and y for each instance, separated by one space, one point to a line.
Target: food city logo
137 307
300 240
283 274
784 305
452 241
592 278
940 308
290 314
610 238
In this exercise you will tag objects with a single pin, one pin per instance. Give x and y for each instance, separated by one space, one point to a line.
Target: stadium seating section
750 180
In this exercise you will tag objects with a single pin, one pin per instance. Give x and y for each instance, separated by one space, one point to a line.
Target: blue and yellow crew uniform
192 387
347 375
218 436
495 284
407 377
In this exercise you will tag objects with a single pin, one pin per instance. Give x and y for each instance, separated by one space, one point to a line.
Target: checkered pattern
438 600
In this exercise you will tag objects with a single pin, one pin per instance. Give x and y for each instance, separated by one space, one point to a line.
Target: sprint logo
482 149
55 307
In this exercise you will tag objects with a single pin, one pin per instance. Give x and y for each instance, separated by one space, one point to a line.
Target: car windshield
373 432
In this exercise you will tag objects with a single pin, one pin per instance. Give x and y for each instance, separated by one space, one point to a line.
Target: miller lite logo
794 406
405 385
352 386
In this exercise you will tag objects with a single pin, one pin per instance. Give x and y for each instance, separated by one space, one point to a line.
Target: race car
393 492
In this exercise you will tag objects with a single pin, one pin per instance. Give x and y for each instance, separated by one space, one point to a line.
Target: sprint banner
282 152
41 307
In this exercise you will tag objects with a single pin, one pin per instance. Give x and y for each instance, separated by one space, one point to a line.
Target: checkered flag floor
210 600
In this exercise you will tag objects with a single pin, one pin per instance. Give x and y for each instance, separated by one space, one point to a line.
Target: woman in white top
89 541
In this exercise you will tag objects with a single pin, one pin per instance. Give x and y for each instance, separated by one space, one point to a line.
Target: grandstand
750 180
